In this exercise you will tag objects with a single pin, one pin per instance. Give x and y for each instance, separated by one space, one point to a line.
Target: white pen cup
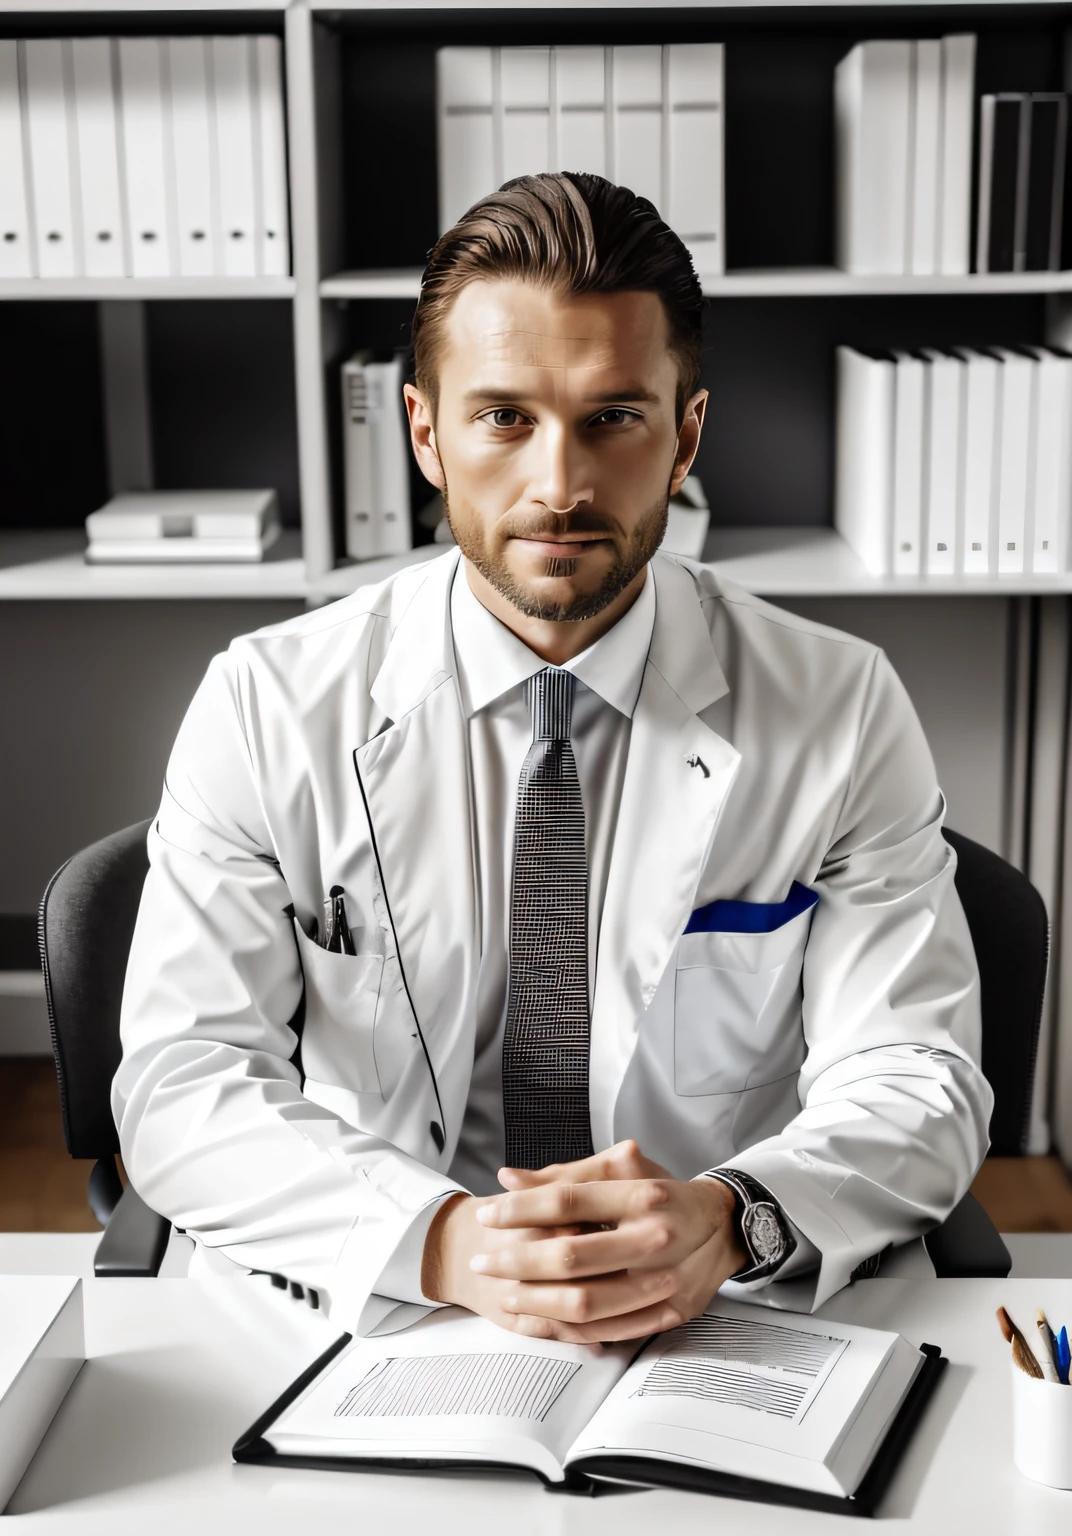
1042 1429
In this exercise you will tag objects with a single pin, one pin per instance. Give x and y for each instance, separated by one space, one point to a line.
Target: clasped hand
611 1247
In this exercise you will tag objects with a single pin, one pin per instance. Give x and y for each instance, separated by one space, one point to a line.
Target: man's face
555 446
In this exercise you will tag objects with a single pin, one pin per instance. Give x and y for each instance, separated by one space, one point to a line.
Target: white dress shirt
493 667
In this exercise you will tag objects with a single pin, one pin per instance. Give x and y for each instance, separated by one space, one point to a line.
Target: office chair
86 922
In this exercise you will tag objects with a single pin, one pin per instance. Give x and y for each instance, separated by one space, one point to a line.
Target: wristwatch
761 1227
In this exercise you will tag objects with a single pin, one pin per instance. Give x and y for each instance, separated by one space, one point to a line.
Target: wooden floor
42 1189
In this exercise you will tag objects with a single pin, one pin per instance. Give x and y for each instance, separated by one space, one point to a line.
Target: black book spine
1040 192
1001 244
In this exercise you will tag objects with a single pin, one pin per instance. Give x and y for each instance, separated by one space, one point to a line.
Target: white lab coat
834 1055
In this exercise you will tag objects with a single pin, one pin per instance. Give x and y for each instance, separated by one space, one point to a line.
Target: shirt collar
491 659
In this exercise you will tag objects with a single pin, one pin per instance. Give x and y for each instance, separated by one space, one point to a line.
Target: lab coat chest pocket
737 1019
341 998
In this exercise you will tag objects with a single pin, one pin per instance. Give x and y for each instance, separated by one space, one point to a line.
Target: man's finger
592 1300
622 1161
567 1204
630 1325
571 1255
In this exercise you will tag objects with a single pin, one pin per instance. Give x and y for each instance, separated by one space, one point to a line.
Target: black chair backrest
86 922
84 927
1011 935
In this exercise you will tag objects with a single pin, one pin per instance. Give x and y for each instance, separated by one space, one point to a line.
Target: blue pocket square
751 916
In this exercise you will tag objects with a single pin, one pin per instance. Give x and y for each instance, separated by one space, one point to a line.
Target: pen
1062 1355
1048 1353
340 940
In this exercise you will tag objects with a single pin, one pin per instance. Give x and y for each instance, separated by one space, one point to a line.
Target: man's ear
688 439
422 436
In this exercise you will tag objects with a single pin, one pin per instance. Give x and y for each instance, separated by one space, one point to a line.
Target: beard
628 561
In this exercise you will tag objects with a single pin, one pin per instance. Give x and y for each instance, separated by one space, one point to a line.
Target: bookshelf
239 383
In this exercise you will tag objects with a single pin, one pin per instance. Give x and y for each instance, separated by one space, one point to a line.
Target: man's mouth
562 549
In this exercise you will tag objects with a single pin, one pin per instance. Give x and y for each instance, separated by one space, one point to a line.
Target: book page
742 1389
453 1386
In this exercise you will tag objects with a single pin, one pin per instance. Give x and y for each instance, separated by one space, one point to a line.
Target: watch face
765 1233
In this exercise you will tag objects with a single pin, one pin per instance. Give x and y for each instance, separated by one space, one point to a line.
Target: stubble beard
628 562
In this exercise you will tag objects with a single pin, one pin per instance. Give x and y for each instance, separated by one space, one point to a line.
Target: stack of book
647 117
152 527
142 157
955 461
376 455
903 146
1022 142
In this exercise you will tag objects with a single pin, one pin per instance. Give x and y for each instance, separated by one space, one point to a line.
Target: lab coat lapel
415 780
670 805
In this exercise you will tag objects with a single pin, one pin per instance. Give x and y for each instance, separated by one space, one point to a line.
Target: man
660 981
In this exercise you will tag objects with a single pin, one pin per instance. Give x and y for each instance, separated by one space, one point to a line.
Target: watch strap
755 1200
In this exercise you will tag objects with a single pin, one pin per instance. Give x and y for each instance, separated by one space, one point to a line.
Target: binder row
376 456
955 461
903 115
142 157
647 117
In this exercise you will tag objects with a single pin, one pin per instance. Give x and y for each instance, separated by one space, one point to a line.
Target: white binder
695 198
51 136
864 468
361 530
1017 373
468 162
1051 462
98 157
872 136
980 463
525 104
580 115
636 95
198 234
908 446
954 189
16 248
141 97
233 95
390 457
273 237
944 376
926 158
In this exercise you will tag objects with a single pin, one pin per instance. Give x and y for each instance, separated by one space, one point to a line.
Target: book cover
955 180
864 454
525 122
193 159
16 247
873 122
100 196
636 108
468 164
580 114
695 202
52 144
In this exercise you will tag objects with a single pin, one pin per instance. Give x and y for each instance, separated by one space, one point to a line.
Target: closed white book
1017 375
390 458
180 550
359 498
1051 461
273 234
580 114
944 383
92 60
908 447
187 514
467 161
52 140
16 246
232 71
636 106
954 192
695 199
864 454
42 1349
142 102
926 158
525 106
980 463
197 197
872 135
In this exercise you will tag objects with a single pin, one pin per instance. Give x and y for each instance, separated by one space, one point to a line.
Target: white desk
178 1368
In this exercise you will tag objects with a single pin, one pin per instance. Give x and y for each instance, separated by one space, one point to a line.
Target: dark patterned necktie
545 1043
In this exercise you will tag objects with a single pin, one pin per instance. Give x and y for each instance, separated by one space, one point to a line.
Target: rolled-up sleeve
895 1110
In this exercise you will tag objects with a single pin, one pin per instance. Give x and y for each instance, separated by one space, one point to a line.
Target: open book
770 1405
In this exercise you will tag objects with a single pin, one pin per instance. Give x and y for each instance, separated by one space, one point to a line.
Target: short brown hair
571 232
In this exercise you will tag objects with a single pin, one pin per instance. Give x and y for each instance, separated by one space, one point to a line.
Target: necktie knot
551 701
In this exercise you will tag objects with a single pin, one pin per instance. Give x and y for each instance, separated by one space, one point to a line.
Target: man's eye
507 410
